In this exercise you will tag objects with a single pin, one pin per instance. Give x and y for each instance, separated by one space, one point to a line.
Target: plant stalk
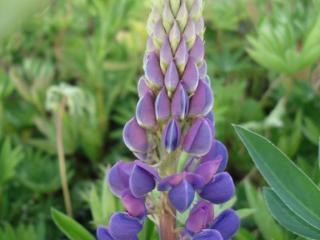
167 219
61 157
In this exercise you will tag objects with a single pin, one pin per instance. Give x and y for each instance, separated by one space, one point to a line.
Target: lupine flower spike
172 135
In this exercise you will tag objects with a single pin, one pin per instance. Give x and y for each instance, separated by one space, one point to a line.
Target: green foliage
21 232
70 227
287 183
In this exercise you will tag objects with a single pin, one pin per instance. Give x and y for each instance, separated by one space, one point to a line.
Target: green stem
61 157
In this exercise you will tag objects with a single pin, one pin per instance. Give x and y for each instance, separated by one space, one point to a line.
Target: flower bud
219 190
208 234
171 136
153 71
103 233
182 16
135 137
201 102
190 77
200 217
162 106
197 51
182 55
227 223
123 226
159 34
218 152
175 6
142 87
190 33
174 36
165 55
180 103
171 79
142 179
134 206
167 17
118 177
203 70
196 10
182 195
145 112
198 139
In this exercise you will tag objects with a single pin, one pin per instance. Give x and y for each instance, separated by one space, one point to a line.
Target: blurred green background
264 62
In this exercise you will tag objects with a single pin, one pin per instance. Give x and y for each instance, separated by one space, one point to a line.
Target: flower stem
167 219
61 157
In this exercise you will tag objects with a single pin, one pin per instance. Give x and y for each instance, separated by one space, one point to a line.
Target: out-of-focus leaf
288 218
72 229
285 178
267 226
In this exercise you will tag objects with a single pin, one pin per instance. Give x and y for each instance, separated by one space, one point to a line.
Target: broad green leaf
292 185
72 229
288 218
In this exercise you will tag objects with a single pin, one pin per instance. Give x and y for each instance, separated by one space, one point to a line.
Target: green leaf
292 185
288 218
72 229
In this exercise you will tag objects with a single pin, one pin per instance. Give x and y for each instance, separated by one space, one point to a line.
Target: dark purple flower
218 152
198 139
145 112
162 106
227 223
180 103
152 69
135 137
142 179
171 78
135 206
171 136
124 227
191 76
219 190
103 233
118 177
208 234
201 216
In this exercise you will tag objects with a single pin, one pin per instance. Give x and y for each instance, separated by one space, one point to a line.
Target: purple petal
219 152
134 206
171 79
124 227
190 33
201 102
145 112
219 190
170 181
203 70
162 106
197 51
182 55
118 177
142 179
227 223
103 233
135 137
198 139
175 36
181 196
180 103
159 32
171 136
165 54
153 71
150 45
142 87
141 156
201 216
190 77
208 234
207 170
211 118
152 171
197 181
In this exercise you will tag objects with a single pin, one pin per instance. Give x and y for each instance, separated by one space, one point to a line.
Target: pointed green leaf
288 218
292 185
72 229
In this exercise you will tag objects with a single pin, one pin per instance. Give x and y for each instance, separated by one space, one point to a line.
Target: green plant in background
297 212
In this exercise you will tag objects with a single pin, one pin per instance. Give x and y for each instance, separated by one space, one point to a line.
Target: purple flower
201 216
173 119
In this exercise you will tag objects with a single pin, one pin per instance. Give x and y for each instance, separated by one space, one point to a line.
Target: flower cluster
173 135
